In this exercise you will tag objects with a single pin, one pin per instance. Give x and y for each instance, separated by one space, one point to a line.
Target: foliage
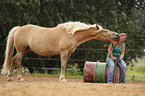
137 73
125 16
24 70
136 76
73 70
139 65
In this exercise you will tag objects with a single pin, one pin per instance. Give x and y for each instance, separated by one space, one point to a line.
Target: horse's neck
83 36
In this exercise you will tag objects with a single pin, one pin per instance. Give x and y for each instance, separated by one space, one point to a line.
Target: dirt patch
49 86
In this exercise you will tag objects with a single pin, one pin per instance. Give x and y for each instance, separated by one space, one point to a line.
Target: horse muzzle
116 37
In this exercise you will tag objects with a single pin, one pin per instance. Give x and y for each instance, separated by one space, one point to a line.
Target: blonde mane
72 27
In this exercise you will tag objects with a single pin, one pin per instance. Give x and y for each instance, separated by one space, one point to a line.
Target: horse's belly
44 46
46 51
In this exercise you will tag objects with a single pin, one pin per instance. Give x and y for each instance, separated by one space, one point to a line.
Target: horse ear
93 26
99 27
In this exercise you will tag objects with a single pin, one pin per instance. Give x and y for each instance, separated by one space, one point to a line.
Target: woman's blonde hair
123 34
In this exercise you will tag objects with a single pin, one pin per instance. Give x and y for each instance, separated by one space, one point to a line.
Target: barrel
97 72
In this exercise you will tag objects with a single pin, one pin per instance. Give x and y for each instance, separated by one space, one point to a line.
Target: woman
116 51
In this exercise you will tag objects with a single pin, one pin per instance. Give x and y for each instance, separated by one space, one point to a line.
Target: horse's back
31 27
29 30
41 40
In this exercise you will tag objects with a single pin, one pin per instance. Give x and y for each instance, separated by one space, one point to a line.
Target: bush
73 70
140 65
24 70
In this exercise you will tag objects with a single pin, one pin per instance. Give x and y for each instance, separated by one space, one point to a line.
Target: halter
108 36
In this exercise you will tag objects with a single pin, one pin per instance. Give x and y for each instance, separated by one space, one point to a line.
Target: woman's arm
122 52
110 48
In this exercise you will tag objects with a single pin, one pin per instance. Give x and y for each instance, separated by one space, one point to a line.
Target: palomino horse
62 39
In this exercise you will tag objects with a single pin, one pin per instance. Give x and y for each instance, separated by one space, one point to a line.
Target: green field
137 72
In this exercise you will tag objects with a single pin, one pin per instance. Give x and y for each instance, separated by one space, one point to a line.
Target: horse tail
9 50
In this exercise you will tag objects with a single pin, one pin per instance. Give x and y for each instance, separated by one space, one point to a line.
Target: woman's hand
114 58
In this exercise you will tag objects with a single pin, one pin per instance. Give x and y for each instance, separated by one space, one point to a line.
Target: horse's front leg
64 59
18 60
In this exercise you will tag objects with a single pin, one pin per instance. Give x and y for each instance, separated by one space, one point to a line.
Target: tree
125 16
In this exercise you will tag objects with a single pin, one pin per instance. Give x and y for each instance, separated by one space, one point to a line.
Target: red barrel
88 72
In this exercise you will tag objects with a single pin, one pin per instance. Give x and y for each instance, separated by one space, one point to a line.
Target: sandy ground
49 86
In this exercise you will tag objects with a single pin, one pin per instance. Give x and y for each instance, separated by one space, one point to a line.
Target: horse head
106 35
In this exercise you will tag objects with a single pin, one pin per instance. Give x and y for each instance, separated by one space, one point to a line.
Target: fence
53 63
34 61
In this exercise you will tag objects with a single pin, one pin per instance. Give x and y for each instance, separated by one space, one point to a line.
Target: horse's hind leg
10 73
16 61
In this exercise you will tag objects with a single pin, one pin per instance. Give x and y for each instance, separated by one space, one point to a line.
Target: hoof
62 80
10 79
20 79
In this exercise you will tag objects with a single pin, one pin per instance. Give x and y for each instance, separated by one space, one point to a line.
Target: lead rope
125 73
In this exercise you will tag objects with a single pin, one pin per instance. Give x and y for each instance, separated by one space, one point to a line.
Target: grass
68 74
135 76
137 73
57 75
